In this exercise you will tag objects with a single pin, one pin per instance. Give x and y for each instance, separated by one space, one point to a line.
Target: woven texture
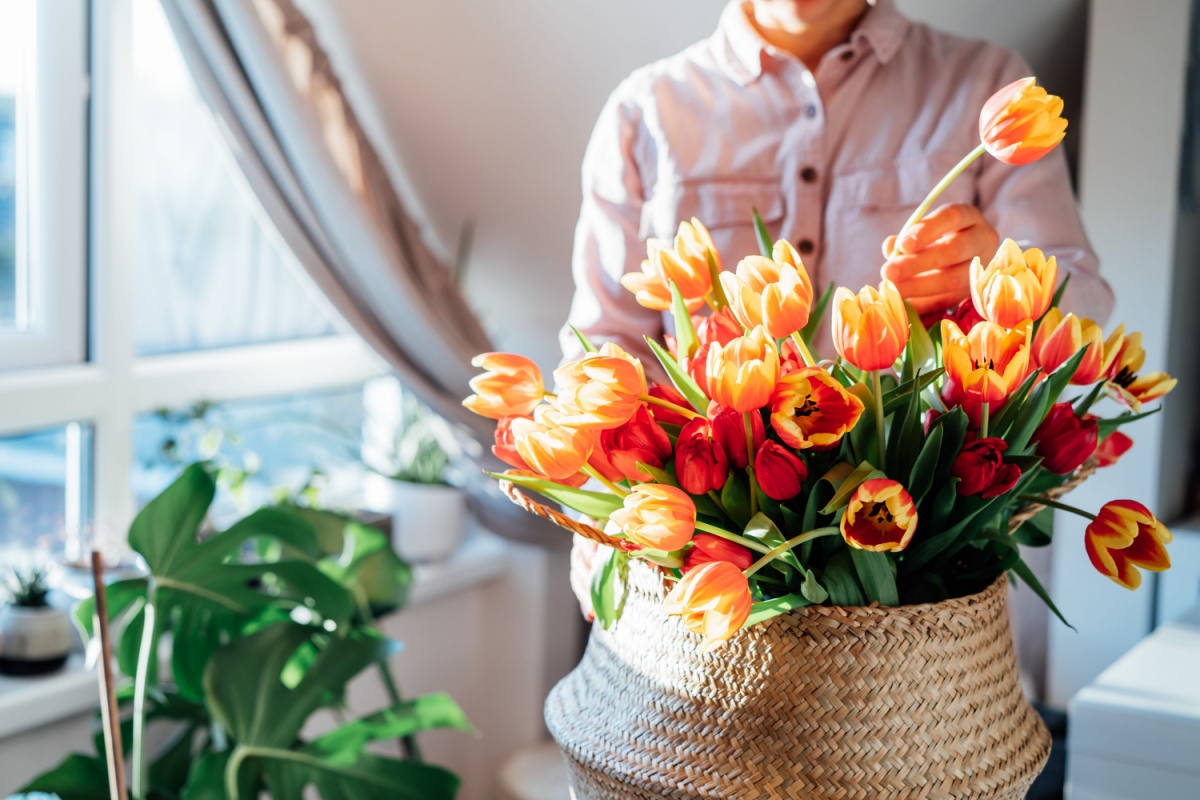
824 702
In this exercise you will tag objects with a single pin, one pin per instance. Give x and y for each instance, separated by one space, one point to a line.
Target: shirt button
805 246
846 55
808 175
810 111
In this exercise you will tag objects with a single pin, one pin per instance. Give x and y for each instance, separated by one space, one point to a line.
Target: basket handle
557 517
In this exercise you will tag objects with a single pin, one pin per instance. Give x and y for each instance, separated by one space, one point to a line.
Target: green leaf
426 713
686 342
169 522
714 274
168 772
659 475
841 498
608 589
593 504
816 314
121 595
1001 422
840 579
812 589
896 397
768 609
370 569
349 775
762 528
765 244
1040 400
921 478
954 431
587 346
1087 401
876 572
1037 531
78 777
735 496
906 439
1026 574
1107 426
206 781
919 354
681 380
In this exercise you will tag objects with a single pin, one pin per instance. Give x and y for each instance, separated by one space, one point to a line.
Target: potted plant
35 637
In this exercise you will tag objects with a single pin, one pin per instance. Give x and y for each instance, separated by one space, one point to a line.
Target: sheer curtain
259 66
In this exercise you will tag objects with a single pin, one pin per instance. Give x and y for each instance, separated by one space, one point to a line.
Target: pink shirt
834 161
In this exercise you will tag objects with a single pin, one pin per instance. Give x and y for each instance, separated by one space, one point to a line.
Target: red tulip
700 463
1112 448
1064 441
780 472
713 548
639 439
729 430
981 469
665 415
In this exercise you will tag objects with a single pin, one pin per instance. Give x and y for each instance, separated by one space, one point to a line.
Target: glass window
304 445
210 268
43 503
16 19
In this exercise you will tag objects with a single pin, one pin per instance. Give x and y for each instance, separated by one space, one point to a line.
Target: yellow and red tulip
985 365
1015 286
742 374
773 292
686 265
881 516
1124 536
549 447
1021 122
1125 357
870 329
511 386
811 409
601 390
714 601
1060 337
657 516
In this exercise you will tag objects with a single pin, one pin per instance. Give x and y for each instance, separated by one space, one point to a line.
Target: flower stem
748 424
716 498
137 783
1046 501
807 536
805 353
591 472
968 159
732 537
667 404
983 425
880 441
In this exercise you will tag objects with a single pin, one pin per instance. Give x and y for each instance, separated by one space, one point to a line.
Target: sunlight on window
16 26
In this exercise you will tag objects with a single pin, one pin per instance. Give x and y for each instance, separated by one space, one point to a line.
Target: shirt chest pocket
725 207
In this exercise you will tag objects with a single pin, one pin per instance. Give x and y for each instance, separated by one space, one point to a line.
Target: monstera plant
265 623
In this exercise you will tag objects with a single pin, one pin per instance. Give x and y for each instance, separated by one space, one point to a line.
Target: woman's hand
932 267
583 557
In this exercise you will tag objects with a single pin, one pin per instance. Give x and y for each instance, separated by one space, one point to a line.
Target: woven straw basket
824 702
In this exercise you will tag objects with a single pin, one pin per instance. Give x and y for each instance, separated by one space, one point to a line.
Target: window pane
16 27
211 271
277 445
43 500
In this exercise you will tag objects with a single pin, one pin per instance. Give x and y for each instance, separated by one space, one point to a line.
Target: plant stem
732 537
1046 501
667 404
412 751
591 472
748 424
805 353
137 783
983 425
808 536
880 440
967 160
716 498
721 301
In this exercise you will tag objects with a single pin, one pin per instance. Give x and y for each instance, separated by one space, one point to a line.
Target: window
40 491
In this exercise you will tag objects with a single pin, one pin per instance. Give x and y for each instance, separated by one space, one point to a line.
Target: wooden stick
110 712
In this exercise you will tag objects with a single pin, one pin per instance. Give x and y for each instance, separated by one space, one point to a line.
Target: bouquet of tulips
762 479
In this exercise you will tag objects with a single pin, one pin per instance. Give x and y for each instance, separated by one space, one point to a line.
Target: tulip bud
1123 536
601 390
714 601
511 386
870 329
881 516
1015 286
700 463
981 469
686 266
665 415
1021 122
549 447
1064 441
742 374
657 516
773 292
1115 445
708 548
779 471
729 430
638 440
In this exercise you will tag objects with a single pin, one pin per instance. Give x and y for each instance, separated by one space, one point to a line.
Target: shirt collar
741 50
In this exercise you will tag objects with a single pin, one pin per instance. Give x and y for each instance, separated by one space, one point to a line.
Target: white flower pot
428 521
33 641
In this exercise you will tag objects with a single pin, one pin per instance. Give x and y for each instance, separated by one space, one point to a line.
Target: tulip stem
775 553
667 404
880 442
592 472
1046 501
748 424
805 353
752 544
716 498
967 161
983 425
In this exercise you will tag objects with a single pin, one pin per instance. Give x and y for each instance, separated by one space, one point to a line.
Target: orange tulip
742 374
686 266
880 517
657 516
1125 535
714 601
870 329
600 390
773 292
988 363
549 447
1060 337
1015 286
810 409
512 386
1021 123
1124 356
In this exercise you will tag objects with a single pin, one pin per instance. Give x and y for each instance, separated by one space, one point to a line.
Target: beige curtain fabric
260 68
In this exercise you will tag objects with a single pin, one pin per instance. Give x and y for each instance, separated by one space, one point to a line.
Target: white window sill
28 703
